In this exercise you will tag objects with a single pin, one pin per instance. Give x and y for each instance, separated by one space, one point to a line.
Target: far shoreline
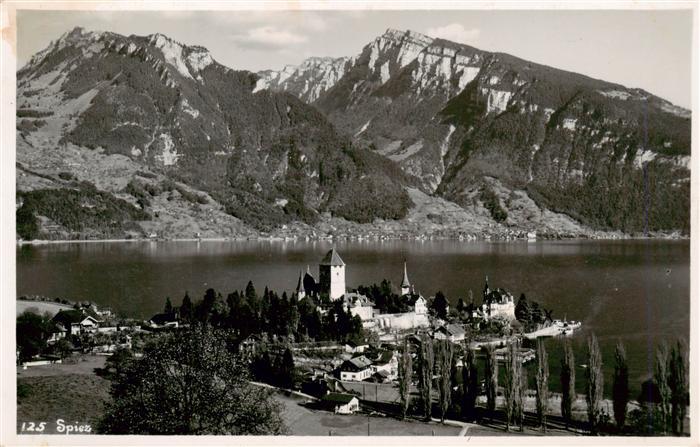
353 238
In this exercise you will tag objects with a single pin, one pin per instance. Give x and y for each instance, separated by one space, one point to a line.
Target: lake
636 291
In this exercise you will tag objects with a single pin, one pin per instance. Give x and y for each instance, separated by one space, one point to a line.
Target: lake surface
637 292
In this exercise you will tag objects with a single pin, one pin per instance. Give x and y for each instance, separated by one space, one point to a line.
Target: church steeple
301 293
405 284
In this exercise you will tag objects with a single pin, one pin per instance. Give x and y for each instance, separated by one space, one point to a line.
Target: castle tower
332 275
405 285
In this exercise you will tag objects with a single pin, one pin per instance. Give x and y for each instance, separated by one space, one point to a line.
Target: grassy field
303 421
40 307
76 365
75 398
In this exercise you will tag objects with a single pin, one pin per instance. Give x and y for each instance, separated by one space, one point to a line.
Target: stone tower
332 275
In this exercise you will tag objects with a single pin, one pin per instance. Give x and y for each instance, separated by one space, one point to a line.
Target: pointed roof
405 282
332 258
300 282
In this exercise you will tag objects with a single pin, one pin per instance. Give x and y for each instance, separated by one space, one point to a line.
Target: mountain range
130 135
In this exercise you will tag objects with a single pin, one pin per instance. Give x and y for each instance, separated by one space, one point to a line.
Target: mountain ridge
250 147
444 112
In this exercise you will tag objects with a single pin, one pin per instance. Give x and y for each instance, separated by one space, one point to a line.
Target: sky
640 49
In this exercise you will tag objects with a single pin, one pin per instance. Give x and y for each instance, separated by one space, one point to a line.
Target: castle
497 303
332 284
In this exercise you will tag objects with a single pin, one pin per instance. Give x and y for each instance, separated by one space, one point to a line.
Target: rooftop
340 398
332 258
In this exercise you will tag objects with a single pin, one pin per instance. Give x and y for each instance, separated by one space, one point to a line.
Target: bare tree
491 377
542 379
444 365
405 375
621 389
568 382
427 361
594 383
470 385
661 378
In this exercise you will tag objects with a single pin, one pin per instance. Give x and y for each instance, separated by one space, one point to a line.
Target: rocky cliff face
307 81
411 135
268 158
481 128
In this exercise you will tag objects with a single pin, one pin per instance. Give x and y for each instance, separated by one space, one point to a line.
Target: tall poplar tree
621 389
444 365
405 374
542 379
491 377
470 385
661 379
427 363
594 383
567 377
511 385
678 383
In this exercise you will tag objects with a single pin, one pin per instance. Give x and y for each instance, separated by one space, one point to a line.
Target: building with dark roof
358 305
309 283
75 322
356 369
451 332
341 403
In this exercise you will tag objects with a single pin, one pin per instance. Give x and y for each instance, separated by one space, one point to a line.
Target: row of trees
435 365
246 313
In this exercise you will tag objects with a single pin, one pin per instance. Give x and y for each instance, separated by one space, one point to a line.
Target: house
420 304
341 403
57 333
356 369
452 332
164 320
316 386
388 363
381 376
355 348
358 305
76 322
